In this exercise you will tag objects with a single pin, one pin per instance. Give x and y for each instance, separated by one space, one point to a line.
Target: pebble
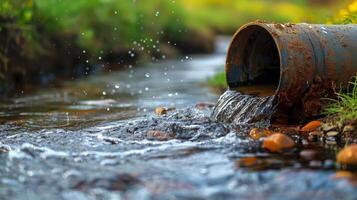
311 126
160 110
204 105
348 128
159 135
313 136
309 154
348 155
328 127
256 133
278 142
332 133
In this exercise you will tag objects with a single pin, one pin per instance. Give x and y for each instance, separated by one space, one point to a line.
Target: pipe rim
267 28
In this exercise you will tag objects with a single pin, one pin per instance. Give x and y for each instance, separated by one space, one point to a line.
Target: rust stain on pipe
304 62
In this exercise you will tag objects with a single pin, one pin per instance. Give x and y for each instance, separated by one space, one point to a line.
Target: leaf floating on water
311 126
278 142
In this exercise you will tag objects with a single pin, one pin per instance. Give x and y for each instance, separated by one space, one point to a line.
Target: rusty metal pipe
303 62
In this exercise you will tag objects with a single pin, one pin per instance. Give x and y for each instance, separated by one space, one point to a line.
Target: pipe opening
253 62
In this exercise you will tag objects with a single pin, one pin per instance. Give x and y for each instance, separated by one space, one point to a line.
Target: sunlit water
90 139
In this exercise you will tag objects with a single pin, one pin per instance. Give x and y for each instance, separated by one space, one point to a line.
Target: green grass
218 81
345 106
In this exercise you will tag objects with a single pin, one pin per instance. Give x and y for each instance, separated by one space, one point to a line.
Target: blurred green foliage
227 15
105 25
347 15
60 29
218 81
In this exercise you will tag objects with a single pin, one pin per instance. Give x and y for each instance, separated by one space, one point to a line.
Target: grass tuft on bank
345 106
218 81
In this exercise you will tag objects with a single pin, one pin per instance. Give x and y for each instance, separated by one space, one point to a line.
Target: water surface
98 138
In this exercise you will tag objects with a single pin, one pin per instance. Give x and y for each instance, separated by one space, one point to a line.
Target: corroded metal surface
311 60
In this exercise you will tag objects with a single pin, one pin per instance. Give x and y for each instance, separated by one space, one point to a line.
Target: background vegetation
44 39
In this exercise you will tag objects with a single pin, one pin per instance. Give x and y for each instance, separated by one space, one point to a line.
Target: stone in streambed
309 154
328 127
348 155
204 105
162 110
256 133
314 136
159 135
278 142
348 128
332 133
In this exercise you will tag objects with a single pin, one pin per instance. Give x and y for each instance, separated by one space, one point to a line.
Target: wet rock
331 141
121 182
204 105
314 136
348 155
332 133
311 126
159 135
328 127
160 111
309 154
256 133
278 142
348 128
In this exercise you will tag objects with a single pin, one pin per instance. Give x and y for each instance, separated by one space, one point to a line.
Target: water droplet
99 58
170 95
157 13
146 89
115 12
84 51
104 93
117 86
147 75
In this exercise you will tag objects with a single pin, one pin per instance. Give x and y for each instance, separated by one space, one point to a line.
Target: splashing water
237 108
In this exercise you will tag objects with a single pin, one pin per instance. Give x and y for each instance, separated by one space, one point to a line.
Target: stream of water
99 138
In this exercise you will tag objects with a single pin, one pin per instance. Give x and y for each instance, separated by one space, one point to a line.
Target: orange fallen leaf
348 155
311 126
278 142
